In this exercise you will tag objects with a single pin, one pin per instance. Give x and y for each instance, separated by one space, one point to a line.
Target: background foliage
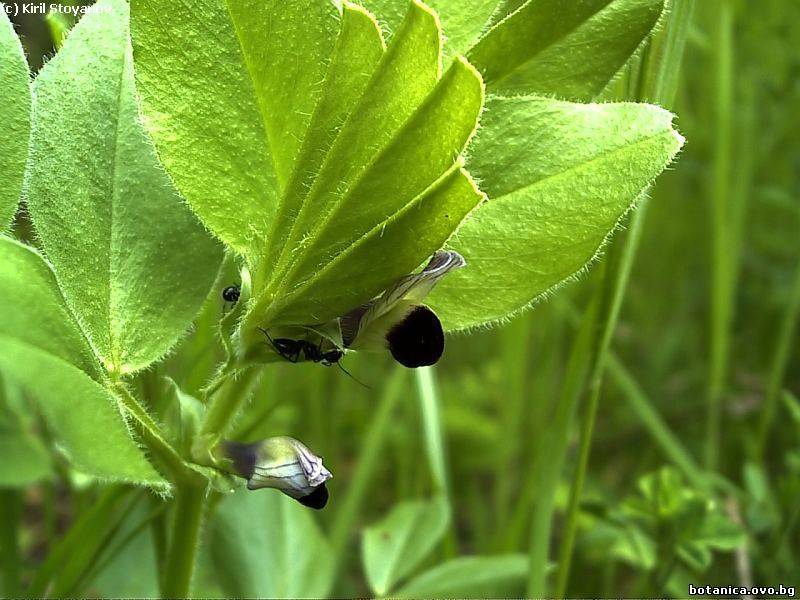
442 477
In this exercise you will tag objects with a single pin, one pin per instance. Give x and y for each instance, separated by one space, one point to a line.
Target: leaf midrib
270 144
113 299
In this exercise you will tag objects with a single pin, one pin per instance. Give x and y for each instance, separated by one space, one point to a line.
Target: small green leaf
358 49
404 77
389 187
393 547
266 545
559 177
227 90
697 556
569 49
43 352
463 22
134 263
471 577
15 119
33 308
25 458
413 234
721 533
80 412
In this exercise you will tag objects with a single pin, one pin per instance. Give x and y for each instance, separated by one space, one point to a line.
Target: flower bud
398 320
282 463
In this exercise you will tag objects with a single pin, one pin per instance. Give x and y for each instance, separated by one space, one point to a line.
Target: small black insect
291 350
231 293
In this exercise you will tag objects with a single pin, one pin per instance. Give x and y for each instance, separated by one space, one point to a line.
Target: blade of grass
662 54
641 405
76 551
721 276
11 509
617 270
779 363
516 350
551 452
366 467
428 394
432 425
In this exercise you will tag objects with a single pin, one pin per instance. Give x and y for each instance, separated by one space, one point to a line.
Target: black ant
230 295
291 350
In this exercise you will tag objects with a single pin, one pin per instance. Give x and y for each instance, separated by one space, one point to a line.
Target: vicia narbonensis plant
379 175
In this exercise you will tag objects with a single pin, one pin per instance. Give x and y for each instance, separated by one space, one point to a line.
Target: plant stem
11 509
615 280
722 276
366 466
428 394
780 361
551 452
432 425
228 393
151 433
664 53
182 553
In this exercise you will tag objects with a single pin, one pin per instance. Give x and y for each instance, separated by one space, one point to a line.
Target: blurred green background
703 376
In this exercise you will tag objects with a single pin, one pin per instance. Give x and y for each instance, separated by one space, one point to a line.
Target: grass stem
432 425
779 363
11 509
366 467
664 53
181 556
721 250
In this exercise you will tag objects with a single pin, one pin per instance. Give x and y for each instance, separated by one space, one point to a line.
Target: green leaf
15 117
559 177
569 49
364 168
227 90
462 22
134 263
80 412
43 352
721 533
404 77
390 188
393 547
697 556
266 545
471 577
33 308
25 458
358 49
